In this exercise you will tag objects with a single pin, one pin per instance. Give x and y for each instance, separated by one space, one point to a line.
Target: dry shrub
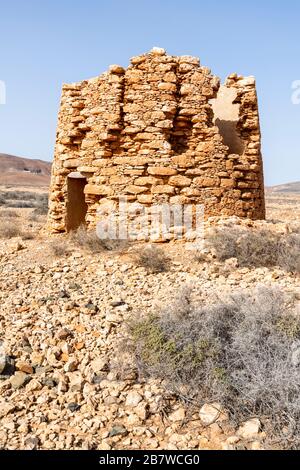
59 249
88 240
26 199
33 217
153 259
28 236
10 230
9 214
289 253
256 247
41 206
242 351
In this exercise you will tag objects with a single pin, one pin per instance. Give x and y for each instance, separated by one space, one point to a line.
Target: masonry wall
160 131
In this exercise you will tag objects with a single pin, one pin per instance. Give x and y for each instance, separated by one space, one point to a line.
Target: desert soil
63 319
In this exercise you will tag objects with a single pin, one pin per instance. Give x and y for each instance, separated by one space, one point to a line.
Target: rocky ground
62 320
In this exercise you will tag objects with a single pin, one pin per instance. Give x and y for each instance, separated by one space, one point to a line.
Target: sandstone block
165 86
100 190
161 171
206 181
131 161
71 163
227 183
136 189
188 59
145 198
116 69
87 169
163 189
183 161
119 180
147 180
180 181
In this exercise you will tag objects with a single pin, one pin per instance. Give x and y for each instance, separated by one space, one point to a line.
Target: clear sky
45 43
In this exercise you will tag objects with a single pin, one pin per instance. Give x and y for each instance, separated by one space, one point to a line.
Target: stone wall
160 131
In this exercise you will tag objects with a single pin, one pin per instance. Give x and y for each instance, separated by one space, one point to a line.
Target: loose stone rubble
160 131
61 325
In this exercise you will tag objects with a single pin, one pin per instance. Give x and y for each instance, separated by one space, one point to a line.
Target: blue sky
46 43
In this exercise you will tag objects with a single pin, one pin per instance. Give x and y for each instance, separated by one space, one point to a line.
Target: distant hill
18 171
286 188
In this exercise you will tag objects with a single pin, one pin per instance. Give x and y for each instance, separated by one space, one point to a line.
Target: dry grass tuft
10 230
60 249
89 241
257 248
153 259
9 214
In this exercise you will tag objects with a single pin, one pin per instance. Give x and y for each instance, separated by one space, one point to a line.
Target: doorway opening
76 205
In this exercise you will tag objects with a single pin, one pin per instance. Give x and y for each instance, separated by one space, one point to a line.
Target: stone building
161 131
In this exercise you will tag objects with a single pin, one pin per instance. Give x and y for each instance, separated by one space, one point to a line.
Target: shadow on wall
228 131
76 205
226 117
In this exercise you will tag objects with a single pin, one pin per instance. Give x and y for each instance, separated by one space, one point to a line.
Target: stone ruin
161 131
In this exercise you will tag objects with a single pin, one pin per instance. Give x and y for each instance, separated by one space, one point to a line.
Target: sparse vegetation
256 247
153 259
10 230
9 214
41 207
289 253
242 351
60 249
28 236
88 240
25 199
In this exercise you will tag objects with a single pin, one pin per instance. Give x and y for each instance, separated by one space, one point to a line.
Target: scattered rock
117 303
33 386
6 408
133 399
63 294
32 443
99 364
64 333
74 407
7 365
68 391
48 382
71 365
24 366
19 379
211 413
76 383
178 415
250 429
118 431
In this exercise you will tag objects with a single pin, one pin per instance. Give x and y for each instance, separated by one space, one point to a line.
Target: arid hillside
285 188
18 171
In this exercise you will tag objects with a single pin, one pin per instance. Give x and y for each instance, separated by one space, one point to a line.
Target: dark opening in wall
76 205
181 134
